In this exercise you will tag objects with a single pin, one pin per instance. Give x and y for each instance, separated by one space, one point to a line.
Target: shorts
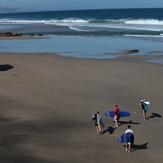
97 124
115 118
128 141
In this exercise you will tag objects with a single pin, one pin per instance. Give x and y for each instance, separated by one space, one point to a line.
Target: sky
52 5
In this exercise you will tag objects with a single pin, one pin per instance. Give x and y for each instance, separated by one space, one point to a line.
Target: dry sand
47 102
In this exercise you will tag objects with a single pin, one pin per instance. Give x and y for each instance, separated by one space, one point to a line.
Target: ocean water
87 32
143 22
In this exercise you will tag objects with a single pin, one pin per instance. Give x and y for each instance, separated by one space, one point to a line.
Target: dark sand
47 102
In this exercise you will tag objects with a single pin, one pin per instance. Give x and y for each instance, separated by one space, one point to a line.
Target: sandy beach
47 102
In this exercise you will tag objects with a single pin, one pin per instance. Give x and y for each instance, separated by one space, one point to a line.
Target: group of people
98 120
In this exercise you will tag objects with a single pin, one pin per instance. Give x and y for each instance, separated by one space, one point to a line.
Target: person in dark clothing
96 117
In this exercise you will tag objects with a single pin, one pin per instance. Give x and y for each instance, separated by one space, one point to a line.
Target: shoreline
22 37
47 102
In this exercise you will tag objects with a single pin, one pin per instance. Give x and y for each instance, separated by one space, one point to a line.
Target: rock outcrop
9 34
131 51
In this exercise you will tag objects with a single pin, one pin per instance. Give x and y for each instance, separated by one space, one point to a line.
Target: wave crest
106 21
92 21
145 21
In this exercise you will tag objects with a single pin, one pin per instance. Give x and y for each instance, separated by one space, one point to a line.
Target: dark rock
9 34
131 51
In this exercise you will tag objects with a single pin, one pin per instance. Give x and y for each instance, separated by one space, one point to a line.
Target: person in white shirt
129 141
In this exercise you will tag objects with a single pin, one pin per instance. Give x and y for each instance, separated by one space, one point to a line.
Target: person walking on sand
96 117
144 108
116 115
130 140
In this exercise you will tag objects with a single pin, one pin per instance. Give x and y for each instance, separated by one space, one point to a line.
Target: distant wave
79 29
13 21
43 21
133 35
145 21
130 21
104 26
92 21
106 21
73 20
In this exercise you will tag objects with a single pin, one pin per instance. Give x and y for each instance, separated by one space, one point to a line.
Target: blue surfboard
102 123
122 114
122 138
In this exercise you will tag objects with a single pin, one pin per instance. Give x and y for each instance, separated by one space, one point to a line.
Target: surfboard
123 139
102 123
122 114
145 101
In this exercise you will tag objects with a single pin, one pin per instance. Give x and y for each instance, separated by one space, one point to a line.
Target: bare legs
144 115
98 128
128 147
116 123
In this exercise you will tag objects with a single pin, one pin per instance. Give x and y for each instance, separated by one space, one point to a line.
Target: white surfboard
146 102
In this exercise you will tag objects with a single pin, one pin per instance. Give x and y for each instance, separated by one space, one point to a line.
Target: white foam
130 35
71 20
144 21
78 29
43 21
77 24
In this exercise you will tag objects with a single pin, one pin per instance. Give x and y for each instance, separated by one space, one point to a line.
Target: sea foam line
144 21
43 21
132 35
90 21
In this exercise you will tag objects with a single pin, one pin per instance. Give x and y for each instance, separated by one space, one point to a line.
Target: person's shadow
139 147
127 122
135 147
109 129
155 115
5 67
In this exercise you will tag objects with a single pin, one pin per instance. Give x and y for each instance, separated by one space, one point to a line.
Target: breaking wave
75 20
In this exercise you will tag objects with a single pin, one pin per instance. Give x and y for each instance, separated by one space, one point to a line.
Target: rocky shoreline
9 34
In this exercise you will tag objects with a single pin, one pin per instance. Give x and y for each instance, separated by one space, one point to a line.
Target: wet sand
47 102
22 37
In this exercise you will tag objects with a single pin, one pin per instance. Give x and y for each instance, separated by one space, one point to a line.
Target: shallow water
83 46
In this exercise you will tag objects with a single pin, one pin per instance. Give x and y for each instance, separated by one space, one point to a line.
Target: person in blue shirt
144 108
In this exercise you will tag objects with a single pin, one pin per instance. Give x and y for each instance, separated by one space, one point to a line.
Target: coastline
22 37
47 102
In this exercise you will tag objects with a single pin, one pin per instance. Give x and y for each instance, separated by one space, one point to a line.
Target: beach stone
131 51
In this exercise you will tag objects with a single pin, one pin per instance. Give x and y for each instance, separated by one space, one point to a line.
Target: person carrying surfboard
116 115
129 141
97 117
143 104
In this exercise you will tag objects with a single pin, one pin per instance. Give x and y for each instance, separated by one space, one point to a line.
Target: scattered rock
131 51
